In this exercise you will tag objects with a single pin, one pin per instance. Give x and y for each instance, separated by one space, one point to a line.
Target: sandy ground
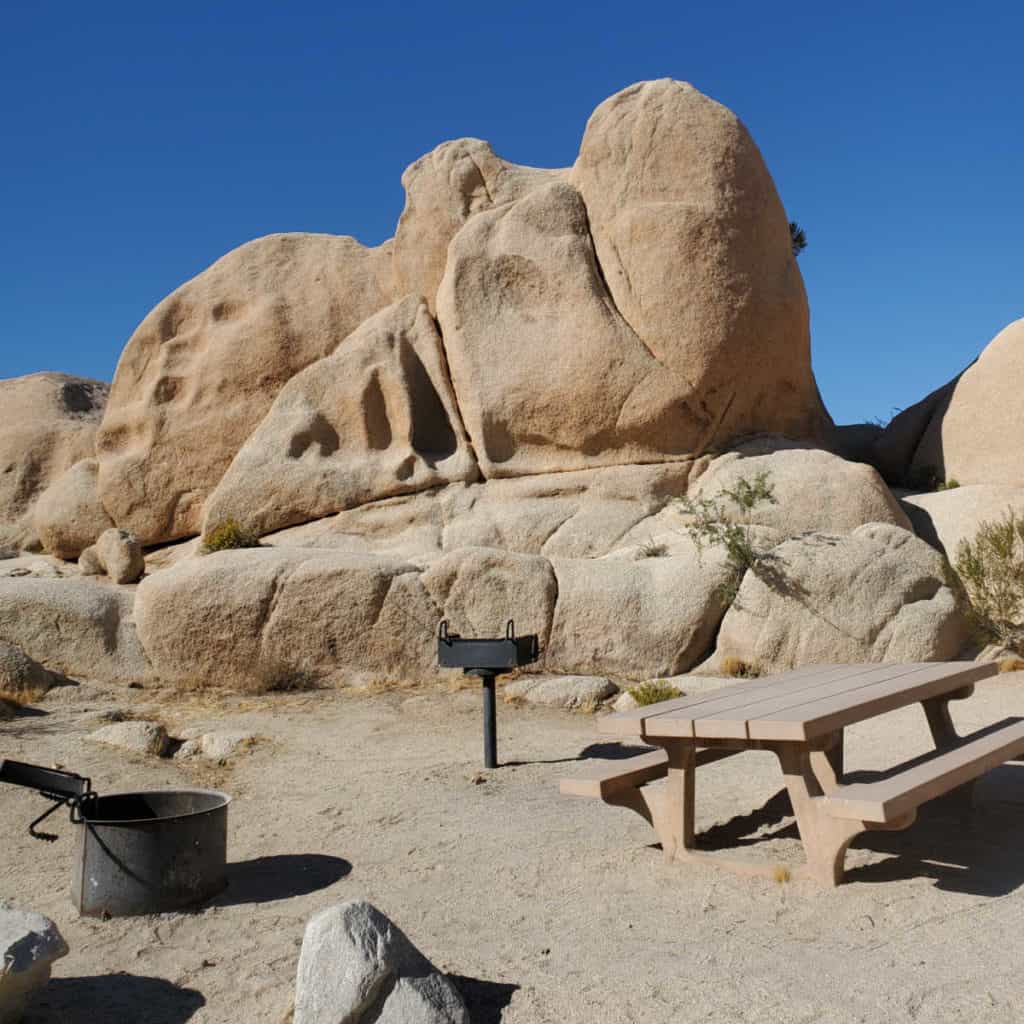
543 908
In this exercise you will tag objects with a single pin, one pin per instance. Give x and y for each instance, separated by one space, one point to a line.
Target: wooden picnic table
800 716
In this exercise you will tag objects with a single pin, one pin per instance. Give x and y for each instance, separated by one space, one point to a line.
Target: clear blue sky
142 141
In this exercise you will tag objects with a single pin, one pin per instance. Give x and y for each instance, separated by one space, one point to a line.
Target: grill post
490 721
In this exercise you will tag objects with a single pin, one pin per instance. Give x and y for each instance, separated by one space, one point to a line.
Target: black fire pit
487 659
138 853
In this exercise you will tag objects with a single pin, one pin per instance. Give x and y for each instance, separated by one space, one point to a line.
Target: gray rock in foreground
561 691
139 737
29 944
357 967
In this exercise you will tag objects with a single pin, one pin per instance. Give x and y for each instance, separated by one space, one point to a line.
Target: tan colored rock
68 516
893 450
975 438
265 618
571 692
635 619
203 368
570 515
148 738
695 246
443 189
877 594
79 628
548 376
376 418
945 518
90 563
120 554
22 675
479 589
48 423
813 489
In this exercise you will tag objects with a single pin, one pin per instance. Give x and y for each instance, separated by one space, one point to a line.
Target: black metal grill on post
487 659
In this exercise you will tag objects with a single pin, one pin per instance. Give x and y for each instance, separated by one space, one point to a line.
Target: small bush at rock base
738 668
227 535
653 691
652 549
990 570
948 485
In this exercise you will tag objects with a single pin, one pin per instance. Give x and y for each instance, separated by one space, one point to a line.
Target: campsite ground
543 908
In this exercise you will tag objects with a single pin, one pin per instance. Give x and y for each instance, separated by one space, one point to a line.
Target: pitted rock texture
203 368
48 422
376 418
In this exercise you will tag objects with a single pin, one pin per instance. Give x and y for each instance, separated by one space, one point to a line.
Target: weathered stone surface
148 738
560 691
22 675
79 628
90 563
216 746
695 246
376 418
68 516
203 368
893 450
29 944
479 589
813 489
44 567
120 554
945 518
635 619
572 515
548 376
48 424
265 618
877 594
356 966
443 189
975 437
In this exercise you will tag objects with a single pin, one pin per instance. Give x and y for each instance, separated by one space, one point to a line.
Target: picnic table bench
800 716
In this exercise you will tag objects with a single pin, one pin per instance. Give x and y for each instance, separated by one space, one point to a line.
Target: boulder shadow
265 879
485 1000
115 999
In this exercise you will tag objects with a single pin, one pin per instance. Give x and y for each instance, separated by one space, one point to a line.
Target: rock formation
492 417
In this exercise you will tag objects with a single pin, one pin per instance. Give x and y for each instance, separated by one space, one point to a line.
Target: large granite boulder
974 435
69 516
29 944
945 518
548 375
443 189
276 618
375 419
357 967
876 594
203 368
48 423
695 248
76 627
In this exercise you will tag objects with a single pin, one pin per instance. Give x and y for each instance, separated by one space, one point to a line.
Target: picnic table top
799 705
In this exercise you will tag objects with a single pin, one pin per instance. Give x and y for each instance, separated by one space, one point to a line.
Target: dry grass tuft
1011 665
781 874
227 536
654 691
738 668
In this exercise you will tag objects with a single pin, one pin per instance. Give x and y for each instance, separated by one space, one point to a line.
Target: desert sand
543 908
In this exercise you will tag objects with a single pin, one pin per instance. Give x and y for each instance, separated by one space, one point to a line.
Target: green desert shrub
990 570
948 485
227 535
713 523
653 691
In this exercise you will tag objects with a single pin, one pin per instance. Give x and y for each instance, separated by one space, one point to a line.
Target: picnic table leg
945 736
824 838
827 764
679 798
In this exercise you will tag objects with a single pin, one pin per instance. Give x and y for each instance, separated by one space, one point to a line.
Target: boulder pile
491 416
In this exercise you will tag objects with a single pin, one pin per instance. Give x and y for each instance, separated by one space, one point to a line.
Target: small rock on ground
561 691
139 737
216 746
356 966
22 675
29 944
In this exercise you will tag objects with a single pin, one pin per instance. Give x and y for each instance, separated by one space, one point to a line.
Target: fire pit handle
65 789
